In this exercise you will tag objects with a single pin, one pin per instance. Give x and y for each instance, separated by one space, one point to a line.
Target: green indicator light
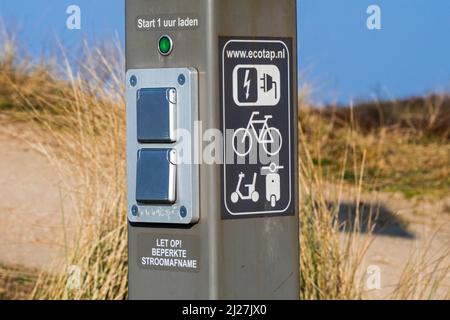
165 45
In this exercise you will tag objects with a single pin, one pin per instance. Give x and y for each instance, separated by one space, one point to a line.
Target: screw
181 79
133 81
183 212
135 210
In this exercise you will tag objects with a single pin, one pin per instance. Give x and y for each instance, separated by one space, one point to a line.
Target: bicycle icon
269 137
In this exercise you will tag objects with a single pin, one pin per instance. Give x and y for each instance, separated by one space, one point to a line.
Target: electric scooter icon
273 192
252 193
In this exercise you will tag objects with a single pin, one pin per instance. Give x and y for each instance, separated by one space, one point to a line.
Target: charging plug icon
268 84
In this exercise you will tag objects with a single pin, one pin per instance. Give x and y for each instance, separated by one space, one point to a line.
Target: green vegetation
16 283
409 152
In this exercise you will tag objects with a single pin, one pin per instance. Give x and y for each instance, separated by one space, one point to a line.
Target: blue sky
340 59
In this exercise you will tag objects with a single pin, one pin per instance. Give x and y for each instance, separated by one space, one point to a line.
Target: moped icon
252 193
273 189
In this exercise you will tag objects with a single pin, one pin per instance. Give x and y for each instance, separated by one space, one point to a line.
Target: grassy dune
397 146
84 116
406 143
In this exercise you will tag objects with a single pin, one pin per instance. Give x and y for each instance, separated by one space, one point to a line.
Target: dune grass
16 282
87 124
84 117
407 152
83 112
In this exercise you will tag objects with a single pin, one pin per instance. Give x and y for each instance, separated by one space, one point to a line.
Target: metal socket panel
185 209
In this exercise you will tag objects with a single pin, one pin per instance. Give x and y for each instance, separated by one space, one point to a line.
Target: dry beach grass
82 112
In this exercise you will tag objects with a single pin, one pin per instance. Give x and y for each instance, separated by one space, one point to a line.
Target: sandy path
407 230
391 255
31 232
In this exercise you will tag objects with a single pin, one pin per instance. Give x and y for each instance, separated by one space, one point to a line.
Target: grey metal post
212 231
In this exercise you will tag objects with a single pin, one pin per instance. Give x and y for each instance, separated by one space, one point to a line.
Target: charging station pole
200 229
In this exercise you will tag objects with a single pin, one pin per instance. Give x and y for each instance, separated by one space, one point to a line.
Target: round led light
165 45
